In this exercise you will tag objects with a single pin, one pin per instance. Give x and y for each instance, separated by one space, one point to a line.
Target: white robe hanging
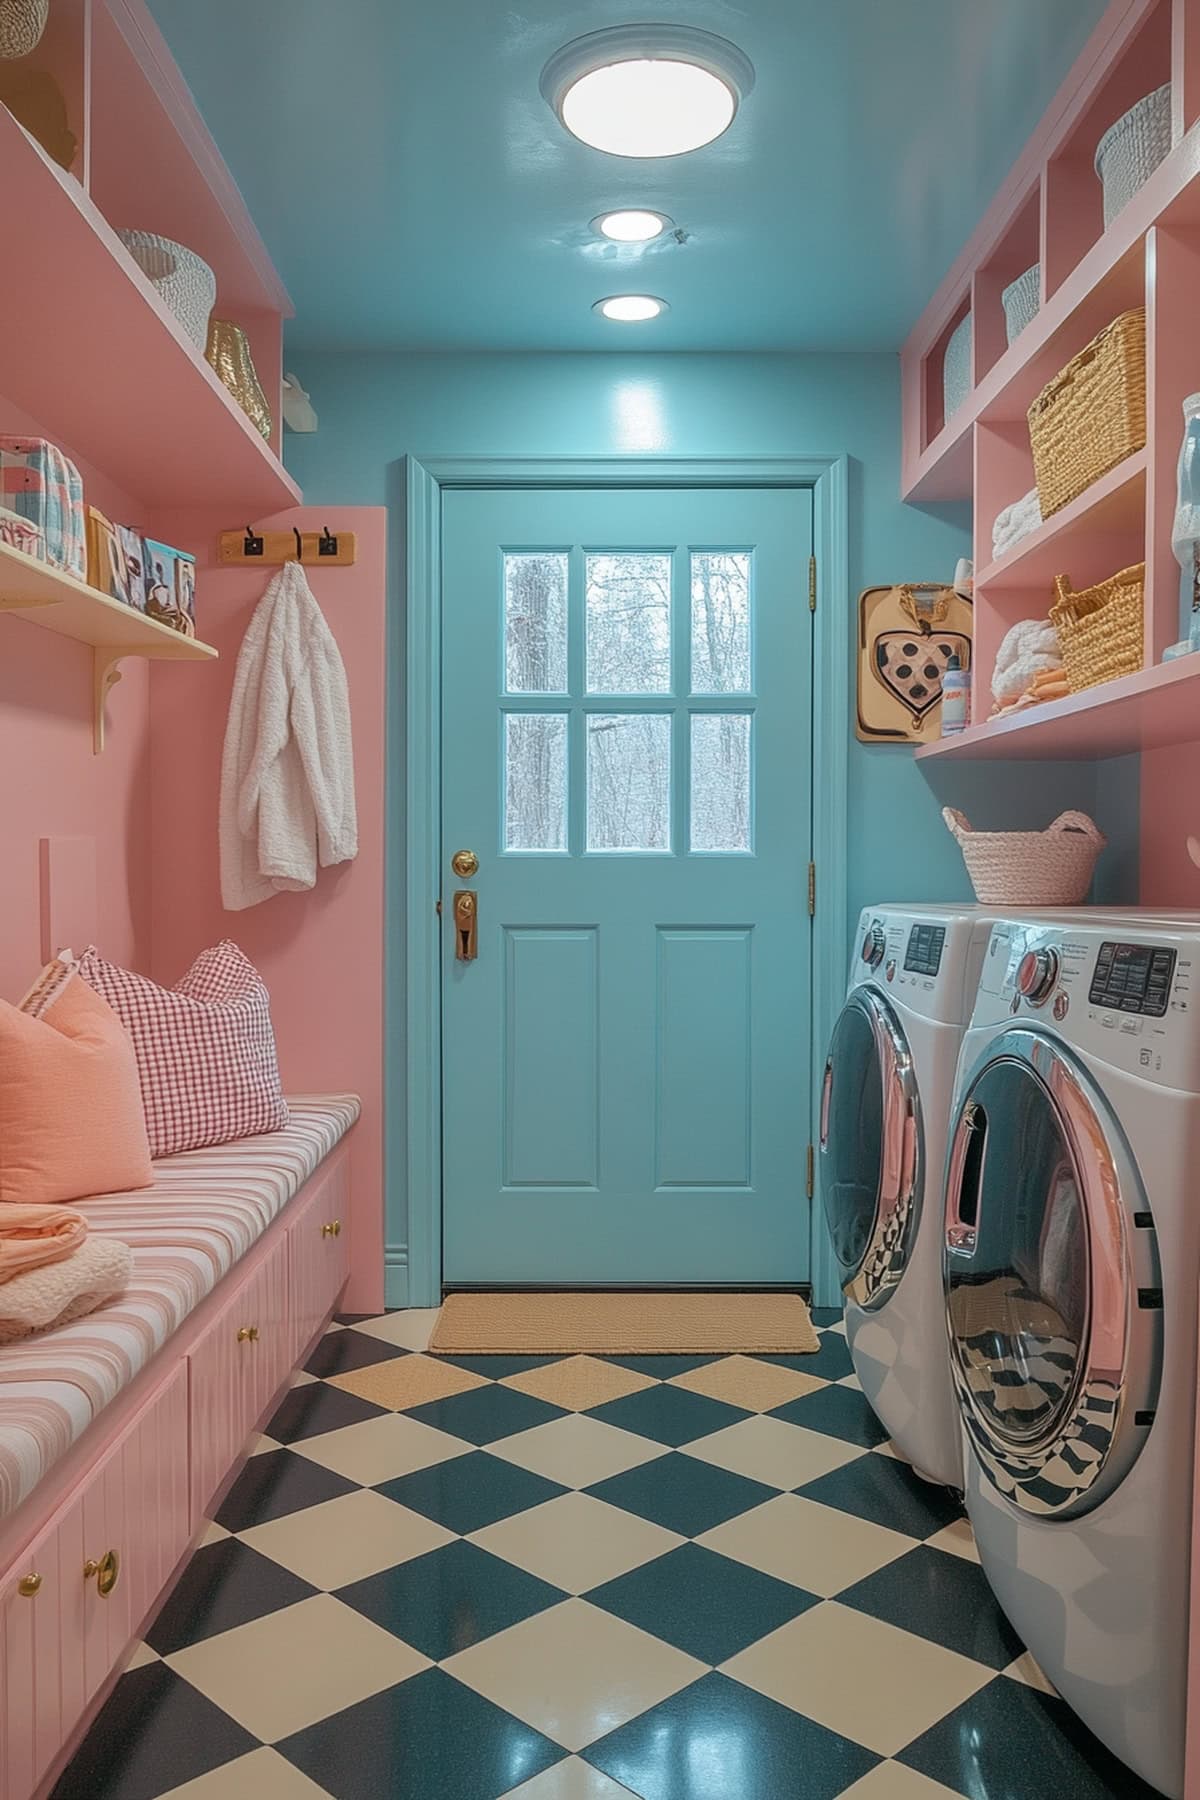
287 773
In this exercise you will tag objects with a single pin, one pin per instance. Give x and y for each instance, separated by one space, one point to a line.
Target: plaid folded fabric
43 486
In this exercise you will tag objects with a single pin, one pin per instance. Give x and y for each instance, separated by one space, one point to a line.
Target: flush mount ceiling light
631 227
647 90
630 308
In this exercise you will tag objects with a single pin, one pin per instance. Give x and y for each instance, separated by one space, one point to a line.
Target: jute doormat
662 1324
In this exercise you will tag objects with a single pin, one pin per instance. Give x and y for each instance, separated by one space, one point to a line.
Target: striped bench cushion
205 1210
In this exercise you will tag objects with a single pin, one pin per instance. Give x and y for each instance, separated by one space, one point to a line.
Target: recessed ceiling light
630 308
632 226
647 90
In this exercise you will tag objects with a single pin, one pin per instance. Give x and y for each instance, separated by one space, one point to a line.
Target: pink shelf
102 365
1113 507
1151 710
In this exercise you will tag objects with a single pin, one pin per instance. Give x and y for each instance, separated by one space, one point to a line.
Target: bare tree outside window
720 781
628 600
535 621
628 781
720 622
535 781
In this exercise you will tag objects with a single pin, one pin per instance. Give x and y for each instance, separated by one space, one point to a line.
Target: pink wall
321 953
1170 813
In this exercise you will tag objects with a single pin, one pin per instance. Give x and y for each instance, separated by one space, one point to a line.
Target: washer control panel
923 955
1133 978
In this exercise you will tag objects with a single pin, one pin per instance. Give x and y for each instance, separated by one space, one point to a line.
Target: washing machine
1071 1264
885 1108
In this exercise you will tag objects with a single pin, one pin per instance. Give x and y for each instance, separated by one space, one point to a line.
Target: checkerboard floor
439 1579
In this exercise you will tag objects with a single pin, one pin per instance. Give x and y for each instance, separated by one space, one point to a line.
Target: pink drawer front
318 1248
71 1603
233 1371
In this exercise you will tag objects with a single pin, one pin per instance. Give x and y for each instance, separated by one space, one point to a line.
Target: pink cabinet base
138 1486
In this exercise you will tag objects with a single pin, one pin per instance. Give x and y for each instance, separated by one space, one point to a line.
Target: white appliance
1072 1257
885 1109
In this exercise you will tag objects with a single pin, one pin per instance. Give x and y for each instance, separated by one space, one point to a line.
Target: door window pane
628 622
535 781
720 622
721 781
535 622
628 781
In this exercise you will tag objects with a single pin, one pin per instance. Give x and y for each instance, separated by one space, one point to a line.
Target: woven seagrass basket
1100 629
1029 868
1091 416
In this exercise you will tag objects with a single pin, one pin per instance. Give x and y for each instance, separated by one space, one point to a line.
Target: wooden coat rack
334 549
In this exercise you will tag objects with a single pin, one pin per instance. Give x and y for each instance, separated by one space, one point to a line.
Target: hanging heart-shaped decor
911 665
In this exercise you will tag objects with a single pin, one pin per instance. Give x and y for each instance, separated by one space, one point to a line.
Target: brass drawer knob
29 1585
337 1228
107 1571
327 1229
247 1334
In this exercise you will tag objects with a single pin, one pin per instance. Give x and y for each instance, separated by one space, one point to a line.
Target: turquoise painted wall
375 409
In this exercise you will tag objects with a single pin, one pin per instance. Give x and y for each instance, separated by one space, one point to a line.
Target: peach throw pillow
71 1121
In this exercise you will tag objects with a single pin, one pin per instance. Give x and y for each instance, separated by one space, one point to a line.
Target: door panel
626 749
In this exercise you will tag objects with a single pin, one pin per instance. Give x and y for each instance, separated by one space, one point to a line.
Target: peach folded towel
33 1235
42 1298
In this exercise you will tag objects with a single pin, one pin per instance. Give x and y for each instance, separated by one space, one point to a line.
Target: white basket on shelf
1030 868
1021 300
1130 151
184 282
956 368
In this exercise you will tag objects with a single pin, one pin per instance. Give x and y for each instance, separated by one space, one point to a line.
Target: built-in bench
119 1432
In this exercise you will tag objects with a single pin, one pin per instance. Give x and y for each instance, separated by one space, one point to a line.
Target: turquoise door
626 710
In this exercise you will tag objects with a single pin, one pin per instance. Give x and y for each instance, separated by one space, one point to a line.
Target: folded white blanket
61 1291
1026 649
1015 522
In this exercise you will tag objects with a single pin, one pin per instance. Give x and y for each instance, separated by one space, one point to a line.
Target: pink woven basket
1030 868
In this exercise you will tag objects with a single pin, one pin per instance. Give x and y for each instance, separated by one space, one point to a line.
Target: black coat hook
253 545
299 545
327 544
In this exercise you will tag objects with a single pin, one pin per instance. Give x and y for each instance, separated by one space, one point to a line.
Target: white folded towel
1015 522
1026 649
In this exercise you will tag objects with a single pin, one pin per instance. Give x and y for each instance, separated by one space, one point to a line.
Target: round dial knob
1037 975
874 945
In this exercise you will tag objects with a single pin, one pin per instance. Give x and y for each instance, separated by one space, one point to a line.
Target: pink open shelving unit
1050 211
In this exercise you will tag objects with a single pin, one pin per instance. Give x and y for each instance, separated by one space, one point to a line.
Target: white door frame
414 1162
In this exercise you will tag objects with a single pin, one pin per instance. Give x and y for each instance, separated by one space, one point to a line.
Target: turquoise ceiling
416 191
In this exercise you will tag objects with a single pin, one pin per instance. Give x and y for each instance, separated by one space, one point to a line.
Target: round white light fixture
647 90
630 309
633 226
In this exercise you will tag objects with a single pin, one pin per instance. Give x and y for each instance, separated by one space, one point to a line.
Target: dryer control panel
1133 978
923 953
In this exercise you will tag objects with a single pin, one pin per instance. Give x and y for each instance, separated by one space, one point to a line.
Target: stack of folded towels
51 1271
1028 668
1016 522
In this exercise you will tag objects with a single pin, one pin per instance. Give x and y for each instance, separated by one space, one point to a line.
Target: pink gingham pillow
205 1048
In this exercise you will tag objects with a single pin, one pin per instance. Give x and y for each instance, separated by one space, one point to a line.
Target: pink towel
33 1235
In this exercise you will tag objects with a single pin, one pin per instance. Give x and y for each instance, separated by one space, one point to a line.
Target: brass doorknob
465 863
247 1334
106 1569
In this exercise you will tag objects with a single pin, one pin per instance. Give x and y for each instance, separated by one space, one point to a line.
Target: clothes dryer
1071 1263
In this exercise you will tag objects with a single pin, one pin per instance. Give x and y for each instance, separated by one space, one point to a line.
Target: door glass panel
535 781
1019 1306
853 1155
535 621
720 622
720 781
628 781
628 595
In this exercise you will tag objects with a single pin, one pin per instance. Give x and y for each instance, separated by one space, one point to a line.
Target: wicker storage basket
1130 151
1100 628
184 281
956 368
1093 415
22 23
1021 300
1030 868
